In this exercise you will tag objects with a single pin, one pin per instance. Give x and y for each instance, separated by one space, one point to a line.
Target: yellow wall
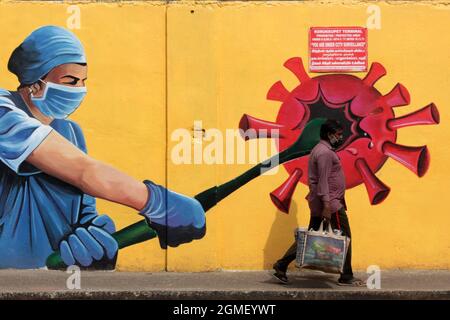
221 60
123 116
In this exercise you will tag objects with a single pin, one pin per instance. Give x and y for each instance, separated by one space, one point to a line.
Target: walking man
326 182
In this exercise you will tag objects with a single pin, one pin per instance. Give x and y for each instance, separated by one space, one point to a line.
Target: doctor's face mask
63 91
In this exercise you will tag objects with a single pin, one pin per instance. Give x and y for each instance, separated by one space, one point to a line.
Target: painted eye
73 81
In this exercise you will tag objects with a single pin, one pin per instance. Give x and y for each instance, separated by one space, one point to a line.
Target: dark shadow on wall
281 235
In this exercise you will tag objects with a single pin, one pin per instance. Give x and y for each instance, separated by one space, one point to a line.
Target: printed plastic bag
321 250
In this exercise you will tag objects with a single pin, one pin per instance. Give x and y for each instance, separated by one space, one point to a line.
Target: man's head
333 132
43 50
50 65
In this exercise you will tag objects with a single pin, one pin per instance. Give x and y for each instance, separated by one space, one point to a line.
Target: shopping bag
321 250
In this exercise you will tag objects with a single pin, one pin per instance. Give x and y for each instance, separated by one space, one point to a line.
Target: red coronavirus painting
370 127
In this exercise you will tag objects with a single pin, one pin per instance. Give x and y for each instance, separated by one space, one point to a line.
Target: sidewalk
42 284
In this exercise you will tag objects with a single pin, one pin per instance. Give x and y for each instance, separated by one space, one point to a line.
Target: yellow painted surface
123 116
224 57
221 60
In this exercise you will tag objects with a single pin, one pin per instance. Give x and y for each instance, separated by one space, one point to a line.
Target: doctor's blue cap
44 49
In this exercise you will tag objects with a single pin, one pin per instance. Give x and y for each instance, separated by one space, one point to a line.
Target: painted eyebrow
73 77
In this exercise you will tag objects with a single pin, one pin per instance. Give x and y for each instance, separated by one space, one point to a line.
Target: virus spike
295 65
426 115
376 72
278 92
376 189
416 159
282 196
248 122
399 96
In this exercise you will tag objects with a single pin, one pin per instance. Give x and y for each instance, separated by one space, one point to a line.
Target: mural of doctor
48 183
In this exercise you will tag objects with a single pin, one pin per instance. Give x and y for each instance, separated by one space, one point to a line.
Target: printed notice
341 49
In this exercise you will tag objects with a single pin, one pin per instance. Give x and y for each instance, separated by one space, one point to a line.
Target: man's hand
326 212
176 218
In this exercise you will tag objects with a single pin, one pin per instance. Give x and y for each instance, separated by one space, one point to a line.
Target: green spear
141 231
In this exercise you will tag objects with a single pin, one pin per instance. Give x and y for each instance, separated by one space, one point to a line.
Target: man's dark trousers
339 220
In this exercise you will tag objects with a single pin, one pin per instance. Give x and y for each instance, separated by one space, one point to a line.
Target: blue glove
183 221
89 244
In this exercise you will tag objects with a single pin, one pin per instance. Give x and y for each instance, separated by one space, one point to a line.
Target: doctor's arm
23 138
184 217
59 158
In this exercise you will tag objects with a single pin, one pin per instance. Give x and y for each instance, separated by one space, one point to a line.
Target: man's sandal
353 282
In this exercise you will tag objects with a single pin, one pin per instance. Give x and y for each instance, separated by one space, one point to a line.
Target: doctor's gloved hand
176 218
91 244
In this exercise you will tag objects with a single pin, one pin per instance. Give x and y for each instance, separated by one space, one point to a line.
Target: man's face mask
336 140
59 101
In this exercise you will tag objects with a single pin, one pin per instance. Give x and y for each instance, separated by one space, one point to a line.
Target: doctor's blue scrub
38 212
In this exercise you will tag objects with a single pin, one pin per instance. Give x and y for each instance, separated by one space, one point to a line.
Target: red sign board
334 49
